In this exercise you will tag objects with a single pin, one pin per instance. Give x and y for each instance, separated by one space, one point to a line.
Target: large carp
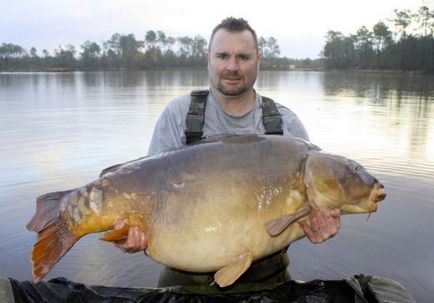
214 206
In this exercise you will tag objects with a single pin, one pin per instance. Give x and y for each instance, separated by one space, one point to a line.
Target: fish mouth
367 204
377 193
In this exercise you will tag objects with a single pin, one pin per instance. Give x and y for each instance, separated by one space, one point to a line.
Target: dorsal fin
110 169
115 167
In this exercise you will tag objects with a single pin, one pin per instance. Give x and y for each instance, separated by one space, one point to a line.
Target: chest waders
271 117
272 269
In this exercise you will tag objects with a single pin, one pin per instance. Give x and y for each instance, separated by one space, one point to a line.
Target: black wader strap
271 117
196 116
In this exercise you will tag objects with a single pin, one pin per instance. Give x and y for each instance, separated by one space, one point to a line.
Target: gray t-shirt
169 131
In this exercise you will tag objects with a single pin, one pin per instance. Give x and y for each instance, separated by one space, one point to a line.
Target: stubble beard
232 91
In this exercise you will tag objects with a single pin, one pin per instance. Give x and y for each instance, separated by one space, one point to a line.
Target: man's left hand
323 224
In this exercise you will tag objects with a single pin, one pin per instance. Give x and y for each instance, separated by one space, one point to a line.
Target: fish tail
55 238
47 210
54 241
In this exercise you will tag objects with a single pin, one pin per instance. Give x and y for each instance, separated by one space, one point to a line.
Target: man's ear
207 59
259 60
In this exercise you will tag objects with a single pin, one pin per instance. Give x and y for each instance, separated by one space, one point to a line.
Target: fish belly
210 234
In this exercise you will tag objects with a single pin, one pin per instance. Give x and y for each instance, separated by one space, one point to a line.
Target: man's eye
222 56
243 57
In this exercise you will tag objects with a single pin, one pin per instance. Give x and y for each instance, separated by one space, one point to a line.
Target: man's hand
323 224
136 240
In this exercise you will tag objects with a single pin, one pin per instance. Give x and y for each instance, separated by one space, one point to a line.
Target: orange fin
231 272
54 241
277 226
47 210
54 236
116 235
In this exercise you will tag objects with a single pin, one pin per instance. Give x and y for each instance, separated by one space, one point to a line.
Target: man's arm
169 130
292 125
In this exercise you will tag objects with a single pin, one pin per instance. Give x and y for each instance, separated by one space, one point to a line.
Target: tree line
124 51
404 42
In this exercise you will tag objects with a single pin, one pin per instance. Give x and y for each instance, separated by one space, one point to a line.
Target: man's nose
232 64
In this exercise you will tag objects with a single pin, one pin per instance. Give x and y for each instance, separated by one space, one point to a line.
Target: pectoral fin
231 272
275 227
120 235
117 235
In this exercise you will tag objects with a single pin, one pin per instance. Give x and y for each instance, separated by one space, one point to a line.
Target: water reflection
149 79
366 84
58 131
171 78
388 117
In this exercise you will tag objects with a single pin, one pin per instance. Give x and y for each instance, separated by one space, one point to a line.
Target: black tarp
359 288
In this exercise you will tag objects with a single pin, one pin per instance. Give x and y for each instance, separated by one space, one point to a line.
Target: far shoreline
292 69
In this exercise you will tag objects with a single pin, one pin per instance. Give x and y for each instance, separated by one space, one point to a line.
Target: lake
59 130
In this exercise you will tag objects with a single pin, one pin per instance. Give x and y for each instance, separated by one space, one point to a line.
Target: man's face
233 62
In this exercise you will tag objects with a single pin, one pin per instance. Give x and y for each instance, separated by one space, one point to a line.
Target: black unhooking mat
359 288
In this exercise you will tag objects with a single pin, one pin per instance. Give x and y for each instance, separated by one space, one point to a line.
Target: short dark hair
232 24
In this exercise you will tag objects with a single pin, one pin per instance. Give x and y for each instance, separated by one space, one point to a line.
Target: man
231 106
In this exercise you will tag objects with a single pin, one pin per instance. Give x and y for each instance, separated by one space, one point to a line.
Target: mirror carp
216 206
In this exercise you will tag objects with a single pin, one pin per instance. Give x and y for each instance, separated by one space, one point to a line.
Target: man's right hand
136 240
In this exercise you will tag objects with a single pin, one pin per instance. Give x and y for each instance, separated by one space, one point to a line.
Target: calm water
58 131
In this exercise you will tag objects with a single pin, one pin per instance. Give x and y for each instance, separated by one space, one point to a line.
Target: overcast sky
299 26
